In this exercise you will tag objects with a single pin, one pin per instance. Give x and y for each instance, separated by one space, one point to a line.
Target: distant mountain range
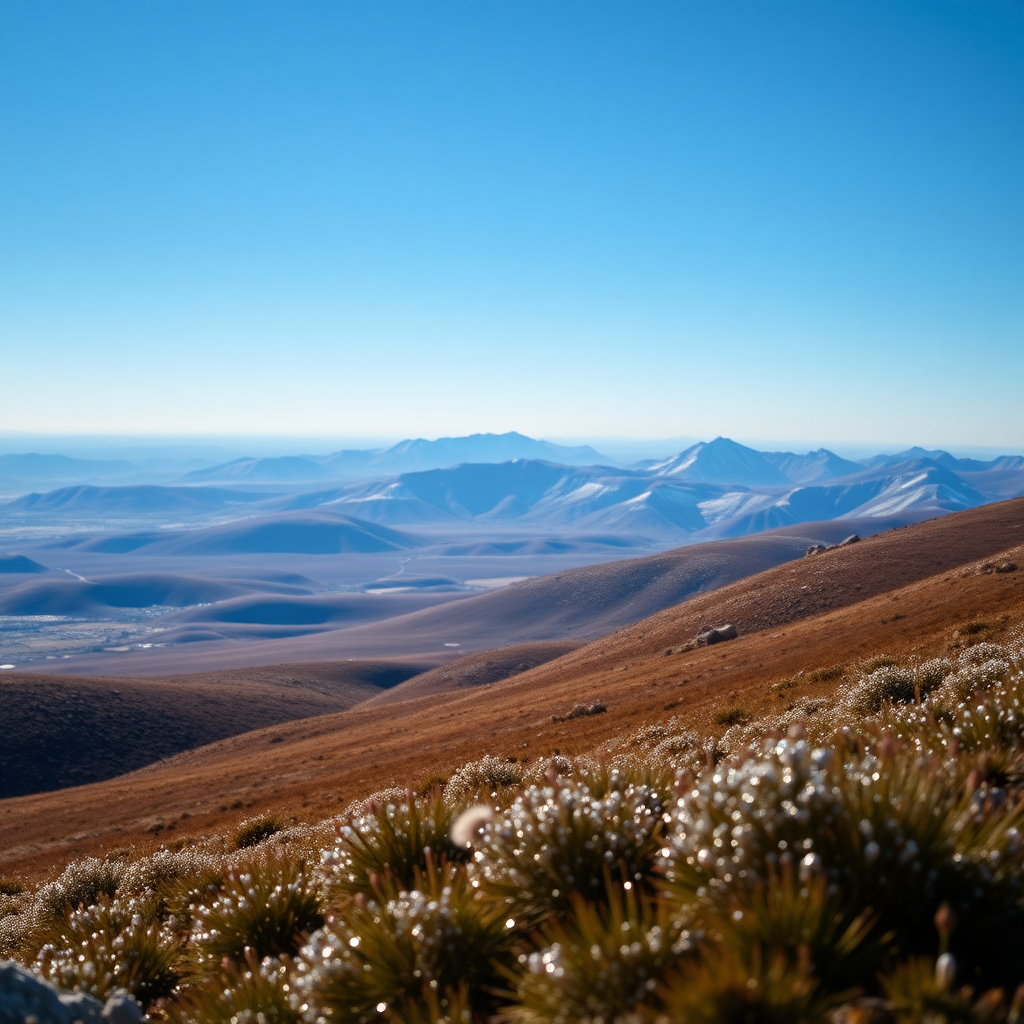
712 489
404 457
720 488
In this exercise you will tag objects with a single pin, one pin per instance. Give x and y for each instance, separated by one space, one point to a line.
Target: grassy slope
897 593
61 731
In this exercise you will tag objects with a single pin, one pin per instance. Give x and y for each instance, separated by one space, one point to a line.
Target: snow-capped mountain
405 457
721 462
812 468
719 488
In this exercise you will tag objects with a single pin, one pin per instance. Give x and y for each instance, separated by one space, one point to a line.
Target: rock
690 645
582 711
24 997
852 539
121 1008
987 568
717 635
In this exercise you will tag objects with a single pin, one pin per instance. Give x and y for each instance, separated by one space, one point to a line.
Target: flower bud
945 971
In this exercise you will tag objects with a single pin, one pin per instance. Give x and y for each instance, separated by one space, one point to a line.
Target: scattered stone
852 539
121 1008
681 649
24 998
717 636
816 549
987 568
582 711
708 636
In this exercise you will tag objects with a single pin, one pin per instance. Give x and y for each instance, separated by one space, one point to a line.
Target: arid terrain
915 591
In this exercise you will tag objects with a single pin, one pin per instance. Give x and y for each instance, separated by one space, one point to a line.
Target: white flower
468 824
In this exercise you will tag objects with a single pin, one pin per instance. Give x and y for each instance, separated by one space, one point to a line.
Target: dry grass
320 765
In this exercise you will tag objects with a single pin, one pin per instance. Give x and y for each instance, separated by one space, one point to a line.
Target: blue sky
779 220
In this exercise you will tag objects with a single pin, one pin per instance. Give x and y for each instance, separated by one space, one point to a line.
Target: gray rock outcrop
25 998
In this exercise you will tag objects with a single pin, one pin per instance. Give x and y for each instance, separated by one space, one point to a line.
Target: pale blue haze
788 219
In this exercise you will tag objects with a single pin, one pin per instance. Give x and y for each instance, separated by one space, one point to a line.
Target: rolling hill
308 533
690 496
717 489
143 499
65 595
20 565
904 593
69 731
316 532
406 456
32 466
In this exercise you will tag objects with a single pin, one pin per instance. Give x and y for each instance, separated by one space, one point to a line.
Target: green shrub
827 675
731 716
254 830
390 954
888 684
918 992
268 908
115 944
81 884
486 777
802 921
394 840
603 963
248 993
631 772
726 990
551 844
433 781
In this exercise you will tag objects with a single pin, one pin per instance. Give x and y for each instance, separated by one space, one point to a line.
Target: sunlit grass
862 851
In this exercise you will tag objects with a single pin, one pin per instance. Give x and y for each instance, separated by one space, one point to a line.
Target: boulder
582 711
25 998
852 539
718 635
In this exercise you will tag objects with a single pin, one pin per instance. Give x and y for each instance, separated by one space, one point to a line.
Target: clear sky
797 218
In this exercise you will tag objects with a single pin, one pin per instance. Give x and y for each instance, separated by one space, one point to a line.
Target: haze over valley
393 551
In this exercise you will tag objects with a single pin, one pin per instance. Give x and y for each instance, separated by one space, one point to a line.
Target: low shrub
812 865
604 963
268 908
555 843
389 954
731 716
727 990
254 830
488 776
827 675
248 993
394 840
110 945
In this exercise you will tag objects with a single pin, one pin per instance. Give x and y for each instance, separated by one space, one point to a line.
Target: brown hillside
572 605
60 731
475 670
901 593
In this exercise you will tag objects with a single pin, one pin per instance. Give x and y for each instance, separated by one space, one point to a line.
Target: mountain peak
722 461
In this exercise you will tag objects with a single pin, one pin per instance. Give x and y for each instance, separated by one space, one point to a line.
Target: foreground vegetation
858 858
